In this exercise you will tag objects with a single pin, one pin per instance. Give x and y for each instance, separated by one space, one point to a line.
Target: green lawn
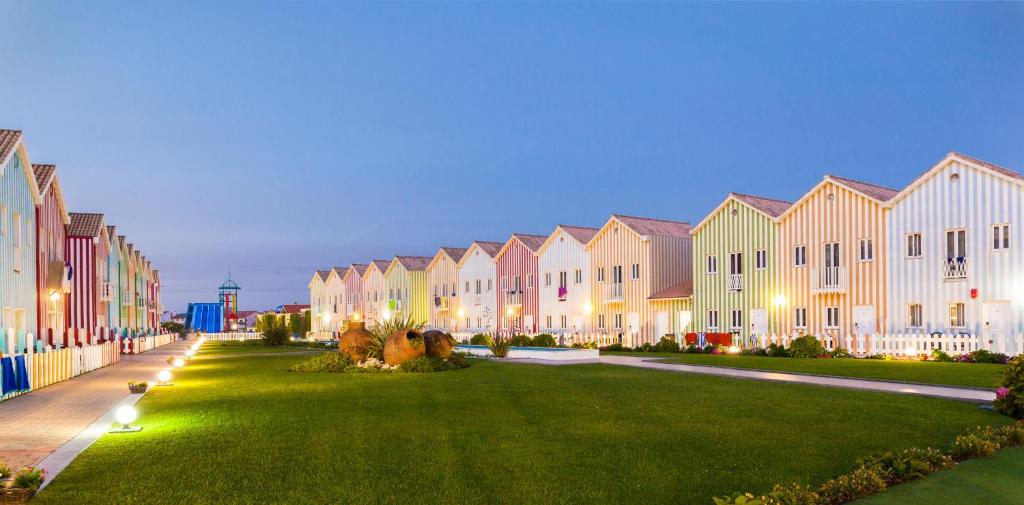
953 374
246 430
244 347
998 480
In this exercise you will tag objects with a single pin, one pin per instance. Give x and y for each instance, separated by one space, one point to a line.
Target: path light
189 353
163 378
911 352
126 415
734 350
178 362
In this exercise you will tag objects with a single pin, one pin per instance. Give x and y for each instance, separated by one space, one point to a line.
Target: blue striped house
19 196
956 252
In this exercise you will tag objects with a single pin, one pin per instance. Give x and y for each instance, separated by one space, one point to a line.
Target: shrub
520 341
5 471
426 364
742 499
939 355
613 348
1012 434
500 345
897 467
667 345
983 356
480 339
693 349
973 445
777 351
645 347
29 478
793 495
840 353
335 362
754 351
274 332
543 340
854 485
806 347
1010 395
964 358
936 459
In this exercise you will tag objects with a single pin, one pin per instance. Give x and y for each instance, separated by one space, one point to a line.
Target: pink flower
1002 393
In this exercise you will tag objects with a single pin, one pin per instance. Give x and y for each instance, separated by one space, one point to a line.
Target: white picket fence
143 343
322 335
250 335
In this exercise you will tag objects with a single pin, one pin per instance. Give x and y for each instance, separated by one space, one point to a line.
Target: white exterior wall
564 254
334 302
316 302
480 310
375 294
975 203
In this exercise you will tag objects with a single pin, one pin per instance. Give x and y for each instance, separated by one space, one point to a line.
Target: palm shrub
806 347
500 345
1010 395
543 340
382 330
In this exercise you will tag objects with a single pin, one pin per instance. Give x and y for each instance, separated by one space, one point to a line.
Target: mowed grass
996 480
233 347
245 430
977 375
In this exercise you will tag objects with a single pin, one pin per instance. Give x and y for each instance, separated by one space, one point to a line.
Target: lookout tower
228 295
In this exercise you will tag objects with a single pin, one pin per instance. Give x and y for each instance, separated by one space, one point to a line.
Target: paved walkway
947 392
34 425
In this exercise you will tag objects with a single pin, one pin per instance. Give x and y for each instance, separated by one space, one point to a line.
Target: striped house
956 252
133 288
443 282
19 197
564 266
734 266
518 292
124 280
375 291
113 288
86 249
156 306
477 273
831 254
632 258
334 292
353 296
406 281
673 311
51 267
317 299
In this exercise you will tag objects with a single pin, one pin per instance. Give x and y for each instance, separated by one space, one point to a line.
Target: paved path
948 392
34 425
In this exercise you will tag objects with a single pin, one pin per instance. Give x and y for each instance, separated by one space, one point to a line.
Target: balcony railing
954 269
514 299
441 303
106 292
734 282
828 280
613 292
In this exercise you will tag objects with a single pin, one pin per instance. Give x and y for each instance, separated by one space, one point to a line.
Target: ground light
178 362
734 350
189 353
911 352
163 378
126 415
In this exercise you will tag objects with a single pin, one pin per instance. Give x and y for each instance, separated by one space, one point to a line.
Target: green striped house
734 266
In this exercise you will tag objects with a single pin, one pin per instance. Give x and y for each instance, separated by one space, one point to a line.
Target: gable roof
453 253
676 291
581 234
358 268
490 249
9 140
323 274
531 242
652 226
379 265
992 168
770 207
878 192
46 178
85 224
338 272
410 263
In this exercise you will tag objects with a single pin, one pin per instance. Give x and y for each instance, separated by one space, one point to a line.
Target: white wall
479 309
564 254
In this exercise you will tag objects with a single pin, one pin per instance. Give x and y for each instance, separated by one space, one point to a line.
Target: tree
295 324
274 332
173 327
307 321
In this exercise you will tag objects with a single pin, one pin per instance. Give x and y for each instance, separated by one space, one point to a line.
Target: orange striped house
631 259
831 260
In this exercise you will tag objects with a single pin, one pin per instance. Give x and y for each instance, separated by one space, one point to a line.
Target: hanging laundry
10 382
22 369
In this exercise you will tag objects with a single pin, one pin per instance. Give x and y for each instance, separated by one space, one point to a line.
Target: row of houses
66 278
848 259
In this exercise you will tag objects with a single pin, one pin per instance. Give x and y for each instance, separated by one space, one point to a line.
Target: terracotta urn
402 346
439 344
355 341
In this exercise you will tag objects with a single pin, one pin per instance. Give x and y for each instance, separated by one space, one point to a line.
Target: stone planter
137 388
15 495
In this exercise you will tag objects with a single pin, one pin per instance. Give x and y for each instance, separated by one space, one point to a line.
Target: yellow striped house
445 308
406 281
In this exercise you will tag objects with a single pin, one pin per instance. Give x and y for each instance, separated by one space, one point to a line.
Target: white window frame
1001 237
736 319
618 321
711 265
634 271
547 279
760 259
869 249
713 319
957 315
913 243
832 319
800 317
915 315
600 274
579 276
800 256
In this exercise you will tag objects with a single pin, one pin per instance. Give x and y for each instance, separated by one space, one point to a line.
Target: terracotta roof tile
582 234
293 308
44 175
8 139
491 248
112 232
455 253
682 290
651 226
382 265
85 225
360 268
770 206
532 242
880 193
414 263
323 274
1003 170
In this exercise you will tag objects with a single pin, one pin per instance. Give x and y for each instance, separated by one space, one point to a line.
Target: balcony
613 292
441 303
828 280
734 282
395 305
106 292
563 293
954 269
514 299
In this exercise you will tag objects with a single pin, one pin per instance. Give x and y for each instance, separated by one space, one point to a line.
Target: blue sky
276 137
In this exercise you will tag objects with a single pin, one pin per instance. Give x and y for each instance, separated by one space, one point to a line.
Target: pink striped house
86 247
51 268
518 291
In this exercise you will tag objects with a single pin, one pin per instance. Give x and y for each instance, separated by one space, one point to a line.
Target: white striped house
353 296
317 299
375 297
478 275
19 196
564 268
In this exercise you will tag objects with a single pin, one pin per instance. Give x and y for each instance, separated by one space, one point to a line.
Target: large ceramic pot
402 346
355 341
439 344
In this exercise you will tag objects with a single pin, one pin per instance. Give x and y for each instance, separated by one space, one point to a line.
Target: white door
997 323
661 324
758 321
864 320
527 324
685 317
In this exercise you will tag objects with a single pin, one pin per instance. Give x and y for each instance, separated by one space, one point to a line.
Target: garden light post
126 415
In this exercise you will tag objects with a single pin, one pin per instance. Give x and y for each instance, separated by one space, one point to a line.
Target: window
547 279
600 321
712 319
956 315
529 281
548 320
634 271
712 264
504 283
579 276
800 317
867 249
563 279
1001 237
760 259
600 274
914 245
735 263
914 316
800 256
617 274
737 319
564 318
831 317
831 255
477 287
956 244
16 241
618 321
490 285
517 285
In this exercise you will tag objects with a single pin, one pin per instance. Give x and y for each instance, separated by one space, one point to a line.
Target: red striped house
86 248
51 267
518 290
